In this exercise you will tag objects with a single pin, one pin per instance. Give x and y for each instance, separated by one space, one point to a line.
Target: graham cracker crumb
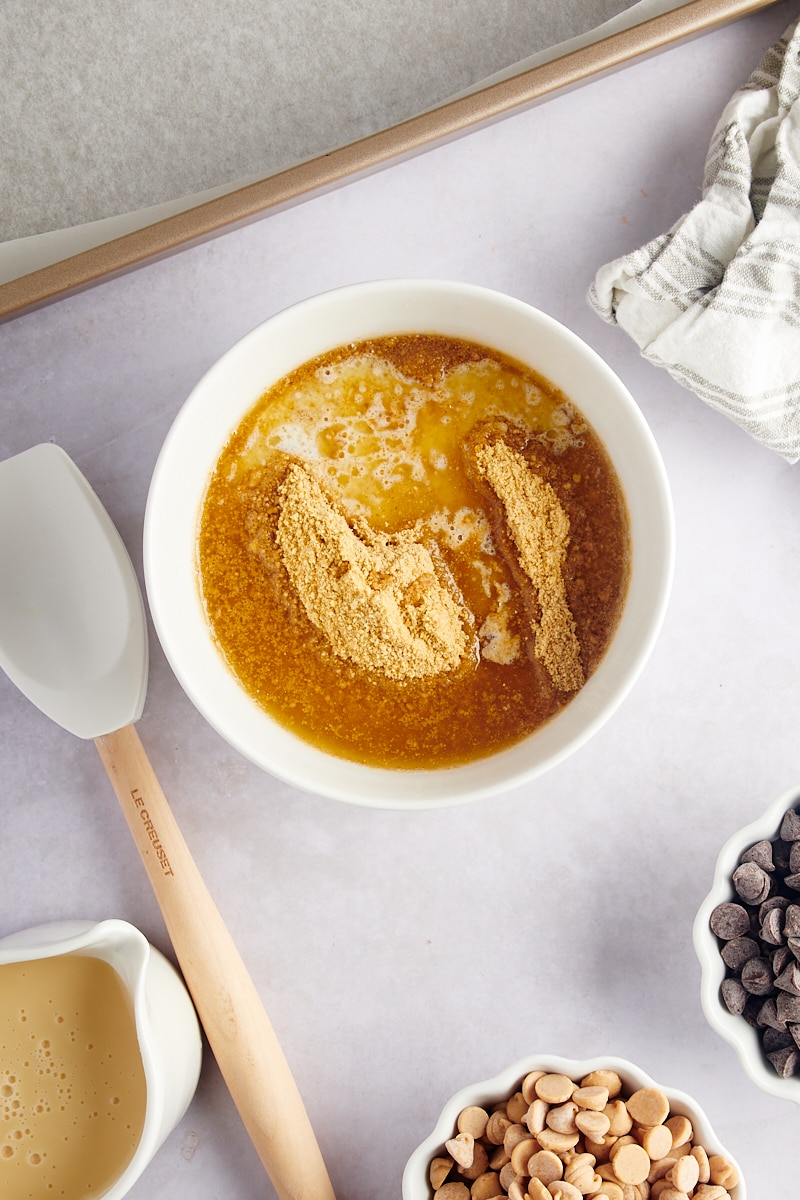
539 528
376 597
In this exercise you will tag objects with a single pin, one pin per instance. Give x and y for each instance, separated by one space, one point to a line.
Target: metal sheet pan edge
369 154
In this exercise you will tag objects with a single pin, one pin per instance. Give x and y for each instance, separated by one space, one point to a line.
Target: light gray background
401 955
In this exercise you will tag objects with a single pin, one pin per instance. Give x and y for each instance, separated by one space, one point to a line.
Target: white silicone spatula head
73 635
73 638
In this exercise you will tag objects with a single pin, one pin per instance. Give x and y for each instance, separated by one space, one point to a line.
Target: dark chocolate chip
738 951
789 979
794 1030
793 944
788 1007
776 1039
730 921
752 883
791 920
760 853
771 930
734 996
790 826
757 977
781 853
768 1014
781 959
794 857
793 882
785 1061
751 1009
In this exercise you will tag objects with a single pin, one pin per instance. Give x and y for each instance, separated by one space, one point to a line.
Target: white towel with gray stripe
716 300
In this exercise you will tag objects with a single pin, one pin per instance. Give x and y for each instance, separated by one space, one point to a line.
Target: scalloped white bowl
733 1028
415 1175
230 389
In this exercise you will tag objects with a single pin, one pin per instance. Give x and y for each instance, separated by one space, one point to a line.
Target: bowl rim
735 1029
232 713
414 1181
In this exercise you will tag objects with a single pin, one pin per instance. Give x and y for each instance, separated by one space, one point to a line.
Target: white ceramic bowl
230 389
415 1176
735 1029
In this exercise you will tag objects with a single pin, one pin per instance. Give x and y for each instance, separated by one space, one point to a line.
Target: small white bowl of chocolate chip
553 1128
747 938
408 543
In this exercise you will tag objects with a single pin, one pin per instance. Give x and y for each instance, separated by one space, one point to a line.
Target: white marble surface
401 955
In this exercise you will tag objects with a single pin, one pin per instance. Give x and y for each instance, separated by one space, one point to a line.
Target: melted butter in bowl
339 558
413 551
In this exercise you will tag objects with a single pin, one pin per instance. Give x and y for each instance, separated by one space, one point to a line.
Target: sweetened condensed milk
72 1084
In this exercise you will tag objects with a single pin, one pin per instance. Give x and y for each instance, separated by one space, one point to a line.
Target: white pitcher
166 1023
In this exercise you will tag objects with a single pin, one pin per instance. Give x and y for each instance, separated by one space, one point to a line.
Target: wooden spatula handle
238 1029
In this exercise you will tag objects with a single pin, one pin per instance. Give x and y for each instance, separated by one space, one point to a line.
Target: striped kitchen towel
716 300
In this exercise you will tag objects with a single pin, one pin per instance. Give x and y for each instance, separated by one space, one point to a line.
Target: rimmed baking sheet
53 258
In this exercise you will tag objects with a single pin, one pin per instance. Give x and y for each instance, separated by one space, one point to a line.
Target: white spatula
73 638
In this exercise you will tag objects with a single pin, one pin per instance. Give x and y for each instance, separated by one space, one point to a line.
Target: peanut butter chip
514 1134
479 1164
521 1154
603 1078
661 1167
594 1124
549 1139
499 1158
539 528
376 597
620 1118
486 1186
648 1106
685 1174
562 1118
554 1088
657 1141
632 1163
508 1175
472 1120
561 1190
516 1107
580 1172
606 1172
546 1166
609 1191
538 1190
722 1171
461 1149
536 1117
438 1171
681 1129
496 1128
453 1191
591 1097
704 1173
529 1082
